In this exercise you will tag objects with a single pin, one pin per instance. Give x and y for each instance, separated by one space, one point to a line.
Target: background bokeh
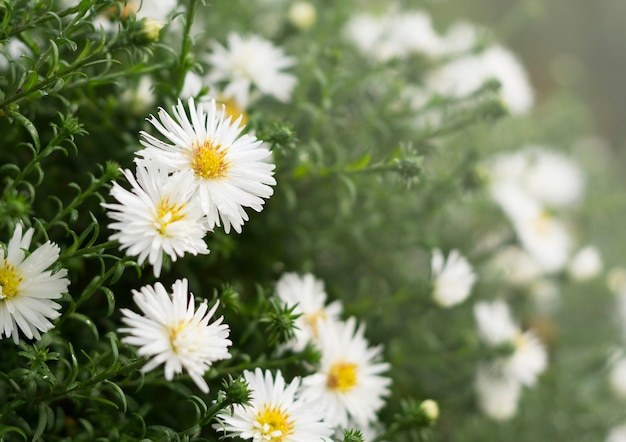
575 45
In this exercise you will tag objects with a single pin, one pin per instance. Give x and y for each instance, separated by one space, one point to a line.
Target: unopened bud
148 30
302 15
430 409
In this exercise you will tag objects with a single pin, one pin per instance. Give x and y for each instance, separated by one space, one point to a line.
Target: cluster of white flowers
395 35
345 391
536 188
206 177
499 381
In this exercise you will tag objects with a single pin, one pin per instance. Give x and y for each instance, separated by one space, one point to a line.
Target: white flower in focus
275 413
308 294
498 396
496 327
585 264
230 169
467 74
617 434
172 332
453 278
157 216
348 385
617 377
249 62
27 288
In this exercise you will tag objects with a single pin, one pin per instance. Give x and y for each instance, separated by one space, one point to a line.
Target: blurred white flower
498 396
348 384
617 434
230 170
453 278
617 377
172 332
393 35
275 413
585 264
616 279
460 37
308 295
496 327
514 265
466 74
547 295
157 216
27 288
546 238
251 62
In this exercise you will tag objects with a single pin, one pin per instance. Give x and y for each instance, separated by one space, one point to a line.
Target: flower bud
148 30
302 15
430 409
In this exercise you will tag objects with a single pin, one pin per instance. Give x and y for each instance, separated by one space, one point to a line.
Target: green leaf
29 126
4 429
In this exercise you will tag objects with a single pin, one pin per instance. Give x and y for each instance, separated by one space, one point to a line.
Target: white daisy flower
27 288
231 171
348 385
249 62
617 434
157 216
498 396
172 332
453 278
496 327
275 413
308 295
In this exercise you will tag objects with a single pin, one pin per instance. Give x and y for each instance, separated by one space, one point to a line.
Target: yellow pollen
233 110
520 340
208 160
168 213
312 318
342 376
542 224
274 424
174 331
10 280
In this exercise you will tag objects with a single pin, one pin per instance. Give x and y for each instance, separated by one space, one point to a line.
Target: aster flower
274 414
585 264
27 288
157 216
496 327
172 332
348 385
249 62
308 295
230 170
453 278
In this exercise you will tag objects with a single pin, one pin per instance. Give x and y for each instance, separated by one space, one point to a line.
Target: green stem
183 63
87 250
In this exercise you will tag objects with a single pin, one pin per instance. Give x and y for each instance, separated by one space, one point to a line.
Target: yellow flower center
342 376
167 213
233 110
208 160
10 280
520 340
274 424
312 318
174 331
541 224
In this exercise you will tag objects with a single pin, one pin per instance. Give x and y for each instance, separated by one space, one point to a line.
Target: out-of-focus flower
172 332
466 74
348 384
308 295
514 265
617 434
498 396
251 62
453 278
230 170
274 413
617 377
27 288
496 327
302 15
585 264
